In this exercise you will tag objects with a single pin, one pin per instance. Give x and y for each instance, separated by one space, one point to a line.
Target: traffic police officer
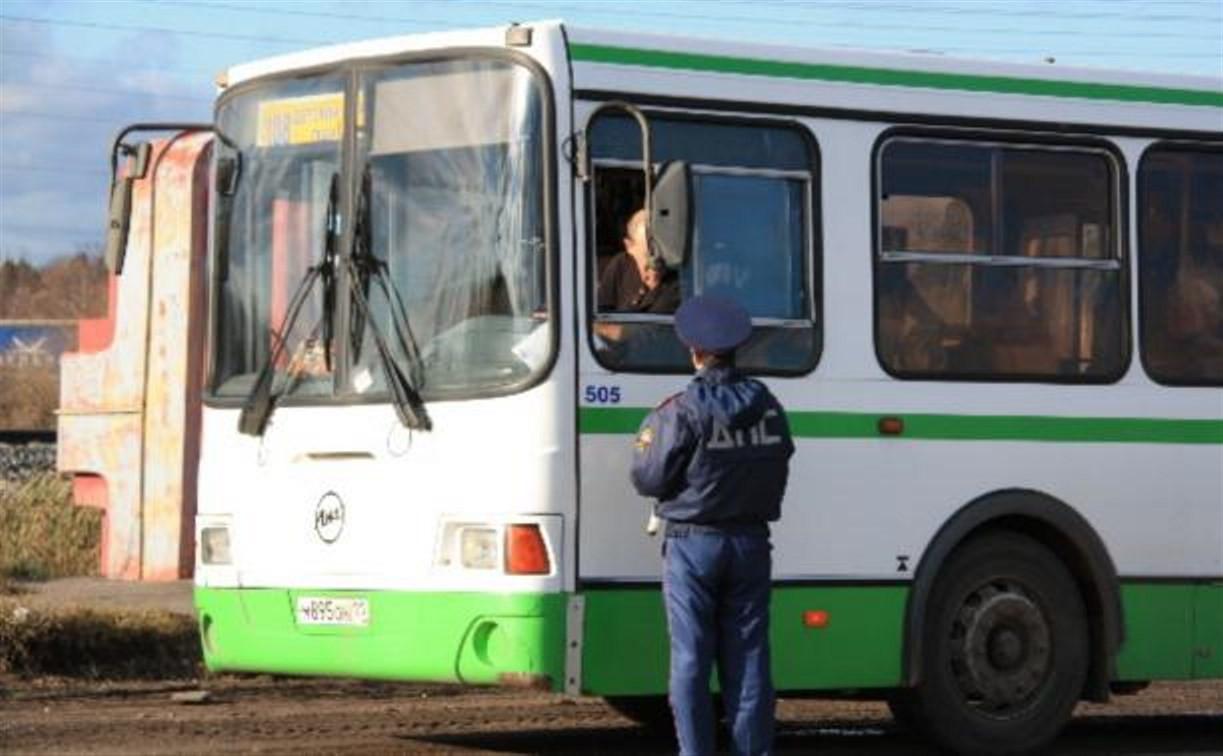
716 458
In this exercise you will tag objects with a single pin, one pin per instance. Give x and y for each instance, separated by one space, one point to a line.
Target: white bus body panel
854 507
488 461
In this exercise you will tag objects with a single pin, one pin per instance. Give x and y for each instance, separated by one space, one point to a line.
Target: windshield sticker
301 120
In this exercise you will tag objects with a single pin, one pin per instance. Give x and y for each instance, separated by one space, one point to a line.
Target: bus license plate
333 611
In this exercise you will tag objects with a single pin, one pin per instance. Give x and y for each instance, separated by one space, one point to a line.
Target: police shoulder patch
645 438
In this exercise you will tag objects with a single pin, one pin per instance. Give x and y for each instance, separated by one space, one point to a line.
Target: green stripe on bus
938 427
891 77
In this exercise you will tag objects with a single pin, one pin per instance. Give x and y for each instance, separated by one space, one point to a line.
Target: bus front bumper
472 638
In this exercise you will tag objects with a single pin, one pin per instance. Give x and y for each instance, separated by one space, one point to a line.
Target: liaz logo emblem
329 517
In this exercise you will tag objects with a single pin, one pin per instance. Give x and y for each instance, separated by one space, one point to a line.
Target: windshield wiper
260 403
363 267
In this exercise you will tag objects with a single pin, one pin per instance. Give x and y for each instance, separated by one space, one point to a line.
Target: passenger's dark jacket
718 453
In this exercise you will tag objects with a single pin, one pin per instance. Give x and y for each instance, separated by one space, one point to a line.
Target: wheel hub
1001 647
1006 648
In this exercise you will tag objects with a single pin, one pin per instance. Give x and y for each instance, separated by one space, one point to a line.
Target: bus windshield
446 264
283 144
450 154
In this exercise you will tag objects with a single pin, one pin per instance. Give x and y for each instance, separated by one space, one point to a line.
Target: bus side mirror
670 229
121 207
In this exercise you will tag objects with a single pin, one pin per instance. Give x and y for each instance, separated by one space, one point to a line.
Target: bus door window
1181 263
753 230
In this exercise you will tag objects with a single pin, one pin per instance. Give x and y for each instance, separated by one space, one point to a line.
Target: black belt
681 529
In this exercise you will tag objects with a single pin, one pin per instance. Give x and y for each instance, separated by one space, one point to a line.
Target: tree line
65 288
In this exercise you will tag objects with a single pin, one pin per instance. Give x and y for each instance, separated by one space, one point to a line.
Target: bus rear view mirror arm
117 224
119 219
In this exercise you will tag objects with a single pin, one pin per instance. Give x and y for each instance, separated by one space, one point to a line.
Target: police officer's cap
712 324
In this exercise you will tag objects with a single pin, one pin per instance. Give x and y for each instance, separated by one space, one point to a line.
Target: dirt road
269 715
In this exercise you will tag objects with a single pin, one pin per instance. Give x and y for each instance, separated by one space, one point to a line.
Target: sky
74 72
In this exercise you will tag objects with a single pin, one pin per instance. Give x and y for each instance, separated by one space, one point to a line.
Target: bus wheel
1005 652
651 712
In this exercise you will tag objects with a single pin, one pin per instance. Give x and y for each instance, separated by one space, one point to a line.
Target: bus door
634 209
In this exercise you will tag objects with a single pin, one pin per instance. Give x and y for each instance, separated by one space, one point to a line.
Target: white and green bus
990 297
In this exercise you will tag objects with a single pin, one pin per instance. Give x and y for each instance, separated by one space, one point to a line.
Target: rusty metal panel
107 444
177 302
112 380
130 412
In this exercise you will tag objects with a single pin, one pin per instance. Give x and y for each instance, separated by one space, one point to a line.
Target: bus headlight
214 545
478 548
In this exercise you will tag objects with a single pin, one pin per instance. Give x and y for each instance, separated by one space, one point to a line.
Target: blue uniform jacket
718 453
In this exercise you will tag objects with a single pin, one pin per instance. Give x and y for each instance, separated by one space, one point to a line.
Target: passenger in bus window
913 336
1183 328
716 457
632 282
1194 323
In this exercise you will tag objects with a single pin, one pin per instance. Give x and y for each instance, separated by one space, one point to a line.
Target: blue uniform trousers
717 586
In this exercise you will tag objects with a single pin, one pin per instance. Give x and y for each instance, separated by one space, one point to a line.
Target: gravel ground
100 593
291 716
20 462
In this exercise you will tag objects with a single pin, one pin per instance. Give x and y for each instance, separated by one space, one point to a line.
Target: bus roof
596 47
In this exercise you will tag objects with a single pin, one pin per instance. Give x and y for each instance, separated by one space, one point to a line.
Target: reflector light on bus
891 426
525 552
815 618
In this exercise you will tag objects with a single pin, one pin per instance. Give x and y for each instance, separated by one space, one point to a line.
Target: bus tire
1006 648
651 712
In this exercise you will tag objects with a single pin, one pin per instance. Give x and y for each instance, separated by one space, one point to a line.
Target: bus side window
997 262
752 210
1180 258
749 242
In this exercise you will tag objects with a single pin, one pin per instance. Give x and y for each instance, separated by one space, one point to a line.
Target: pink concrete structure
129 398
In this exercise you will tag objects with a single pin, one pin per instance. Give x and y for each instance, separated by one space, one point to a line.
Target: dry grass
45 535
9 587
100 644
28 397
